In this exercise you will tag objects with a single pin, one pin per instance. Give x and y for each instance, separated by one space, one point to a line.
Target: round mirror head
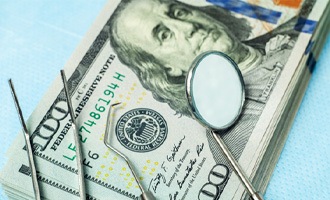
215 90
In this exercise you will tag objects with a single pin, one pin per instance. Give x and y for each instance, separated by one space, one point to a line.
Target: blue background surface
38 37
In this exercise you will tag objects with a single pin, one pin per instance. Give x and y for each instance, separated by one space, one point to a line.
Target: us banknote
138 53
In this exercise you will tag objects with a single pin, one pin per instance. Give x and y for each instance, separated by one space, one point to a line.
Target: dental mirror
215 92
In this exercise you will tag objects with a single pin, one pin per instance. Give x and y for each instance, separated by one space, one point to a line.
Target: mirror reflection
215 90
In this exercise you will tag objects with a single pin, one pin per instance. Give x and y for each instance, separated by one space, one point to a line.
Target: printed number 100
217 177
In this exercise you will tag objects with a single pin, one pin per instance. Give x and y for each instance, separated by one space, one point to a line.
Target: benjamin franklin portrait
159 39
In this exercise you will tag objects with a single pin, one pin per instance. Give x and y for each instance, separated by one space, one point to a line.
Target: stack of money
138 53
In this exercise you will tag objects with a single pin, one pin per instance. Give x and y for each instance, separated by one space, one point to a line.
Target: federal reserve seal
141 130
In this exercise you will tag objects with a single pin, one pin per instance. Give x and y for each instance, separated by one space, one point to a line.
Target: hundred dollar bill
138 53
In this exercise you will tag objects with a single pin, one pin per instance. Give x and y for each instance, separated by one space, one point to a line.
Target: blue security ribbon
309 47
305 25
311 61
249 10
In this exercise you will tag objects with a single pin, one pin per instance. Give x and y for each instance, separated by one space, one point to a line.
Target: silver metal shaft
237 169
27 143
81 178
145 194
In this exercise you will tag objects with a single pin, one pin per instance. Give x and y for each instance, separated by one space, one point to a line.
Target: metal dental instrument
146 195
27 143
81 179
215 92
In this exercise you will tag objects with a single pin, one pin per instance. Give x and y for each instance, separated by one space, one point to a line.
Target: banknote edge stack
298 87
